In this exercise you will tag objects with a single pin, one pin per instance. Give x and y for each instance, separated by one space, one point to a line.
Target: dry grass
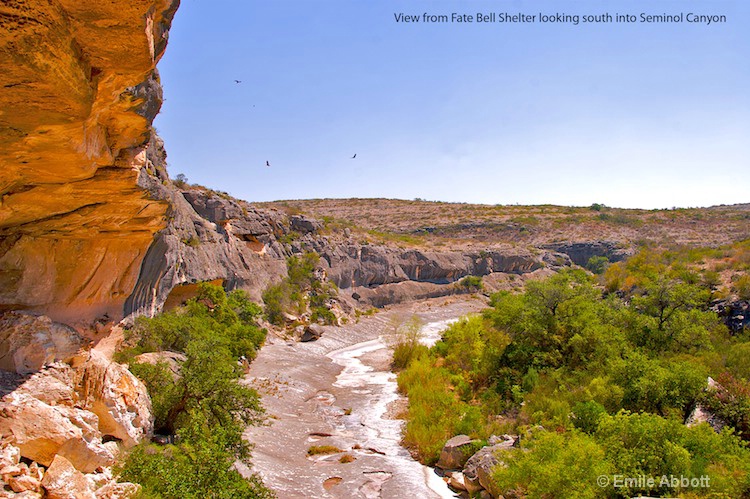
450 225
322 449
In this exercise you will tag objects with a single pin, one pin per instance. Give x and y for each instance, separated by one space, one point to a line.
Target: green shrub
204 405
405 341
192 241
553 465
471 282
586 416
200 466
277 301
322 314
597 264
298 290
435 414
741 286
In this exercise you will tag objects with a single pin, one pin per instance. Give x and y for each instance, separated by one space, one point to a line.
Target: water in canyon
339 391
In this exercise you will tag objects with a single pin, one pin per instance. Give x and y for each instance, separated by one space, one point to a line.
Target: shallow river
339 391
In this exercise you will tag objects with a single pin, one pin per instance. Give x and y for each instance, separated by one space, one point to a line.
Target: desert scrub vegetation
598 374
404 338
300 290
472 283
202 406
315 450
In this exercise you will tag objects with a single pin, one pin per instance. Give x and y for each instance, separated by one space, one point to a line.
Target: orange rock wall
79 93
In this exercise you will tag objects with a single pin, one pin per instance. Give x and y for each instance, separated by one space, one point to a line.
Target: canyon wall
79 200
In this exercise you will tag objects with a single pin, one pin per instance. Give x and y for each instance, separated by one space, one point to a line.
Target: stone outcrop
43 431
312 332
581 252
60 480
454 453
212 237
477 471
701 414
351 265
736 314
76 152
75 420
69 411
234 246
119 399
74 417
63 481
28 343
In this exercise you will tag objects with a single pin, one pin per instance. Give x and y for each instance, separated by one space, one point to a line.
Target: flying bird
238 81
268 164
355 155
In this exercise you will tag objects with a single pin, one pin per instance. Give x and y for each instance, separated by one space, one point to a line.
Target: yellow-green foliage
299 290
610 377
741 286
435 412
314 450
404 339
554 465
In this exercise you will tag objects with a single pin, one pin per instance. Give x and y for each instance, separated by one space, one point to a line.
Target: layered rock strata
80 90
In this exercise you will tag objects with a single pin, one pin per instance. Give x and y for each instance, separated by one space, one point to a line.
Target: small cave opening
110 438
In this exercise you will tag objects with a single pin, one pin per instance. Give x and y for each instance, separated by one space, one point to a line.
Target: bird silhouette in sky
268 164
355 155
238 81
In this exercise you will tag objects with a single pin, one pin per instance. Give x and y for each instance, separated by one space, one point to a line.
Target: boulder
63 481
25 495
701 414
23 483
456 481
7 472
99 480
41 432
303 224
53 385
453 456
28 342
118 398
312 332
478 469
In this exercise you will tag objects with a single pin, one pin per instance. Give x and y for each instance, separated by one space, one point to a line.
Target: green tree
552 465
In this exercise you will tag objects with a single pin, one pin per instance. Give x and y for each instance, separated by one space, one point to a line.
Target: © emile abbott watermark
652 482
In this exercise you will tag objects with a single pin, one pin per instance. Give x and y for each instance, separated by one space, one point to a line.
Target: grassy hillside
437 224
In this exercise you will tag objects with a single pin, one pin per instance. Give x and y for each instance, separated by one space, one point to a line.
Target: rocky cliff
80 91
212 237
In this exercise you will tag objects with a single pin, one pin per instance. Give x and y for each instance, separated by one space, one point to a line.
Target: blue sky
629 115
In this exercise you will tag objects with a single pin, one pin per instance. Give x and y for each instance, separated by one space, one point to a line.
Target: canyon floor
339 391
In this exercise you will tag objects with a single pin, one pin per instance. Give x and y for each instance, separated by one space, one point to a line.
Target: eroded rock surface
119 399
478 469
454 453
28 342
77 153
75 418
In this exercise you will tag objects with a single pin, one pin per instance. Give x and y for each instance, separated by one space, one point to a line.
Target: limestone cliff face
78 208
211 237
